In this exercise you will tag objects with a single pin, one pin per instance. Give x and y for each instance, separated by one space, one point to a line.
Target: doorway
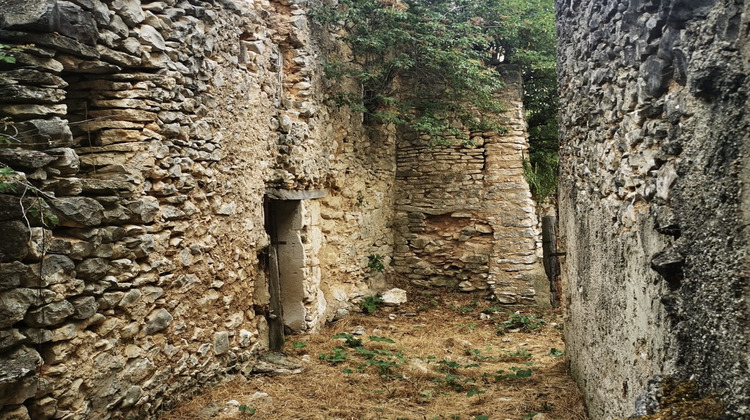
283 220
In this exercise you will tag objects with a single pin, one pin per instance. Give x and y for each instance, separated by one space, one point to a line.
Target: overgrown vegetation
412 361
429 66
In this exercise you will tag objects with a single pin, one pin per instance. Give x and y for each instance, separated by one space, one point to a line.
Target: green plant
375 262
540 171
555 352
338 355
525 323
350 340
522 353
246 410
381 339
371 303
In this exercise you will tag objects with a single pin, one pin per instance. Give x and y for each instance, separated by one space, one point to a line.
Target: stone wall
156 146
154 130
653 212
464 214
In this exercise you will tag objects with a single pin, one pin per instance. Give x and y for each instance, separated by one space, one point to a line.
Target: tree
427 64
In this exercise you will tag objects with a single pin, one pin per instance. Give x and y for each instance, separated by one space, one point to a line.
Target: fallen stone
394 297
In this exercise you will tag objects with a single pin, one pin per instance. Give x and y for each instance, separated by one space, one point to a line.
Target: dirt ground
439 356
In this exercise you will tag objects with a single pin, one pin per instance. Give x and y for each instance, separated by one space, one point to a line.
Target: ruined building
167 154
653 202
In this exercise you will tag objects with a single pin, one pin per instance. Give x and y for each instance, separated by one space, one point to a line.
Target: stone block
18 367
10 338
14 304
50 314
221 342
77 211
157 321
84 307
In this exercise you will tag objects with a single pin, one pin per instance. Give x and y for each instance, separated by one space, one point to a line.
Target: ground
439 356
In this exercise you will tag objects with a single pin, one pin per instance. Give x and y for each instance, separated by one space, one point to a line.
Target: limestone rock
15 245
48 315
21 363
14 274
394 297
157 321
130 11
28 159
39 15
77 211
10 338
221 342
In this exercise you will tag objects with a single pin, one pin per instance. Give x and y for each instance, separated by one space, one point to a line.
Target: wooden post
549 253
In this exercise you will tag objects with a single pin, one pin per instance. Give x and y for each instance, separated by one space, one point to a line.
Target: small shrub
338 355
370 304
375 263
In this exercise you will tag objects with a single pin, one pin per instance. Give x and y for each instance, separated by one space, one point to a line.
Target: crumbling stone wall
465 218
154 130
653 212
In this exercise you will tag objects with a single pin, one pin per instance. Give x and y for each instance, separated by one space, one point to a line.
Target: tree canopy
426 64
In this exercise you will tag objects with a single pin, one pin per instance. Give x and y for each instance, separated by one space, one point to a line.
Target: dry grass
448 363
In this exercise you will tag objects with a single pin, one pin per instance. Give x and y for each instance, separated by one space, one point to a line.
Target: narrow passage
438 356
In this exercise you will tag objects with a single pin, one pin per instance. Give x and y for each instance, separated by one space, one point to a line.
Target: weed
299 345
246 410
381 339
555 352
351 341
370 304
338 355
522 353
375 262
524 323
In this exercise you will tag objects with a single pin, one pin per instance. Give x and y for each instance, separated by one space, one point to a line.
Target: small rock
157 321
394 297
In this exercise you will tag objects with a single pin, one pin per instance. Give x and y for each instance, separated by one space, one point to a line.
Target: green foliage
555 352
246 410
541 173
436 50
370 303
525 323
5 53
381 339
522 353
351 341
6 177
375 262
299 345
338 355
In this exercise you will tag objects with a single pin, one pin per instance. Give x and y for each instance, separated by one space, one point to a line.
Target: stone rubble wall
154 129
652 209
465 218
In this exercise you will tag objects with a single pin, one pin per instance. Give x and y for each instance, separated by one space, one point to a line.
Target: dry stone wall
652 204
154 130
465 218
158 148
